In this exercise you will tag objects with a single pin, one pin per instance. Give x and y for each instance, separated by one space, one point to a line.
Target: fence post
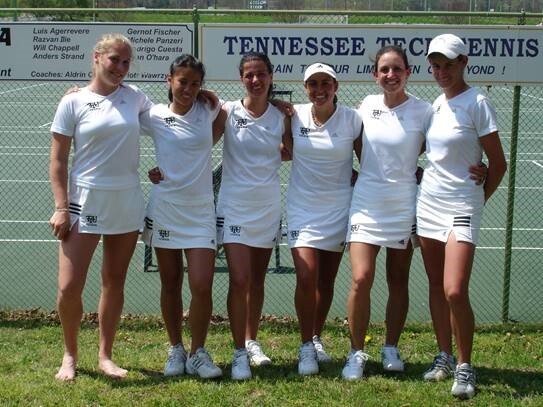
510 205
196 20
14 5
511 196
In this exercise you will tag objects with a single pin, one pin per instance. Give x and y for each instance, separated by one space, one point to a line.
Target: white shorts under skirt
251 225
173 226
437 217
318 228
106 211
389 224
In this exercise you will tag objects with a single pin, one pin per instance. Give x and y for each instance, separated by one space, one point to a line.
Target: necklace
317 121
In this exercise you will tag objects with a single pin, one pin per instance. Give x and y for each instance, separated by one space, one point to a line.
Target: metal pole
511 197
196 20
510 206
14 5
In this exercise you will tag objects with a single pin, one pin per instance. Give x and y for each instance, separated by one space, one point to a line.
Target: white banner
40 51
497 54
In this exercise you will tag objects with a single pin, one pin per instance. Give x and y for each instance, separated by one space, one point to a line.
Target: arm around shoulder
219 125
496 162
286 142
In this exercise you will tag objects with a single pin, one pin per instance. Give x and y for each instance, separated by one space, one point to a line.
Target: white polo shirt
183 145
391 144
251 155
322 158
452 143
105 131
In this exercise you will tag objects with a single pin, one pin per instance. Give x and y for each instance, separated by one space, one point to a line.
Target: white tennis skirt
173 226
106 211
318 228
387 223
251 225
438 216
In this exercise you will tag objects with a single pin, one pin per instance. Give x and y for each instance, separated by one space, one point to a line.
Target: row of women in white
102 196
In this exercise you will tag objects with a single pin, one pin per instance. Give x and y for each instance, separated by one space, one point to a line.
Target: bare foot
66 372
111 369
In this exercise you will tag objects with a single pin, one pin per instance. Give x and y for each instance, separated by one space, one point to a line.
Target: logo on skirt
163 234
356 227
235 230
91 220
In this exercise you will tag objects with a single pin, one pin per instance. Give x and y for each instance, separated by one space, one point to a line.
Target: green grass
509 361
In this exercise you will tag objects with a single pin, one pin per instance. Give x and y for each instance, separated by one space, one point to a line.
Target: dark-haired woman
248 208
450 206
324 135
383 206
181 215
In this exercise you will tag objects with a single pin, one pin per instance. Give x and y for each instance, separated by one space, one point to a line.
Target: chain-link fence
506 282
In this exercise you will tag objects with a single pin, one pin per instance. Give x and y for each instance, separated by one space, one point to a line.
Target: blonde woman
100 196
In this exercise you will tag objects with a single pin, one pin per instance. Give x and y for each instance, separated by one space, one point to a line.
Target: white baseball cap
319 67
449 45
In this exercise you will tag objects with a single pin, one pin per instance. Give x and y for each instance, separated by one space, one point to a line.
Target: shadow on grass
521 384
150 377
524 383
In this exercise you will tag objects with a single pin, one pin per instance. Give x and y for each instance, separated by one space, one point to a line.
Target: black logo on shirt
241 123
93 106
437 109
294 234
169 121
304 132
376 113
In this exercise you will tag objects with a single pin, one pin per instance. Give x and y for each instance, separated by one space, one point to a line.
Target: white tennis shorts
251 225
106 211
318 228
386 220
173 226
438 216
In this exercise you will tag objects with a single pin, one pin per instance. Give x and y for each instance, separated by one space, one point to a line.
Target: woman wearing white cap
324 135
450 206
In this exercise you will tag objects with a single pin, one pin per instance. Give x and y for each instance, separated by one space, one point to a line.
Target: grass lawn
508 358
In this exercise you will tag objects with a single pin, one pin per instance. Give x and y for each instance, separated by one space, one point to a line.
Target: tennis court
28 250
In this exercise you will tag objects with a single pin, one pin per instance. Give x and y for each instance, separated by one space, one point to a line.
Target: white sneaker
175 364
322 356
442 367
307 359
354 367
201 364
256 356
390 357
464 382
240 365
